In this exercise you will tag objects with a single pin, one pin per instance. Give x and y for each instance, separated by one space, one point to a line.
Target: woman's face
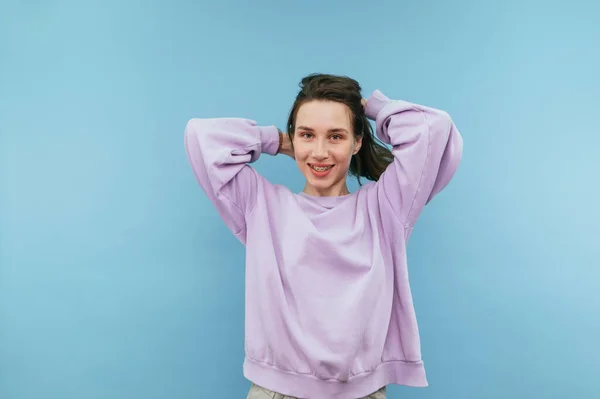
324 144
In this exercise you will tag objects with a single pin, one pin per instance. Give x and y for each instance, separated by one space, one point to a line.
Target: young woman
329 312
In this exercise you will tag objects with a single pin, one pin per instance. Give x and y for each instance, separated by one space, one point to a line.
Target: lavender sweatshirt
329 311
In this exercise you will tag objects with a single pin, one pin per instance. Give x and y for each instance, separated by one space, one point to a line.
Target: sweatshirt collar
327 202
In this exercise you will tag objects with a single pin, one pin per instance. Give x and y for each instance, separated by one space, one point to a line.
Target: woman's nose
320 151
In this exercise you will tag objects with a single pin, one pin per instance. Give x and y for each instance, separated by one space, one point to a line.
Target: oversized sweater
329 311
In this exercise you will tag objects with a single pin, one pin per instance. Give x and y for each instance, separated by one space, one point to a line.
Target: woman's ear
357 144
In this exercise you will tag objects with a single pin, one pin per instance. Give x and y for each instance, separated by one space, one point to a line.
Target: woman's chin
321 185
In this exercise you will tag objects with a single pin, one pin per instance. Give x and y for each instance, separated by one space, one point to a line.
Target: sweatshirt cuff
269 136
375 103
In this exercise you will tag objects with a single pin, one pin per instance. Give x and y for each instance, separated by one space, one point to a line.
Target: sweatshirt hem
311 387
269 139
375 103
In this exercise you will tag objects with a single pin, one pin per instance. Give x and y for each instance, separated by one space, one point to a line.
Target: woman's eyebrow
334 130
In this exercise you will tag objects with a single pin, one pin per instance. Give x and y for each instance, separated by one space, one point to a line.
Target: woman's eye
336 137
305 135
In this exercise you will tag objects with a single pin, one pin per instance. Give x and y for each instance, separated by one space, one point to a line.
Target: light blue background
119 280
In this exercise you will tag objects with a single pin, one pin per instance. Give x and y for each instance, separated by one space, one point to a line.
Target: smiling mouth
320 168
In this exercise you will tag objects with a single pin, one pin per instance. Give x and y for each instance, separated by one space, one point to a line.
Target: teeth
321 168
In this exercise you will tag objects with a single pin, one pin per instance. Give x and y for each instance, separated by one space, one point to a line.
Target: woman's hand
364 102
286 145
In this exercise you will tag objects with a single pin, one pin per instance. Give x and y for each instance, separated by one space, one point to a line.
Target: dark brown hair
372 158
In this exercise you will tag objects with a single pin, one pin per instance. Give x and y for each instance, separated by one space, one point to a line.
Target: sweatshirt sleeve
427 149
219 151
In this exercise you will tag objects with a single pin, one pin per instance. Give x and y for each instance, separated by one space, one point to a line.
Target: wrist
285 144
280 141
